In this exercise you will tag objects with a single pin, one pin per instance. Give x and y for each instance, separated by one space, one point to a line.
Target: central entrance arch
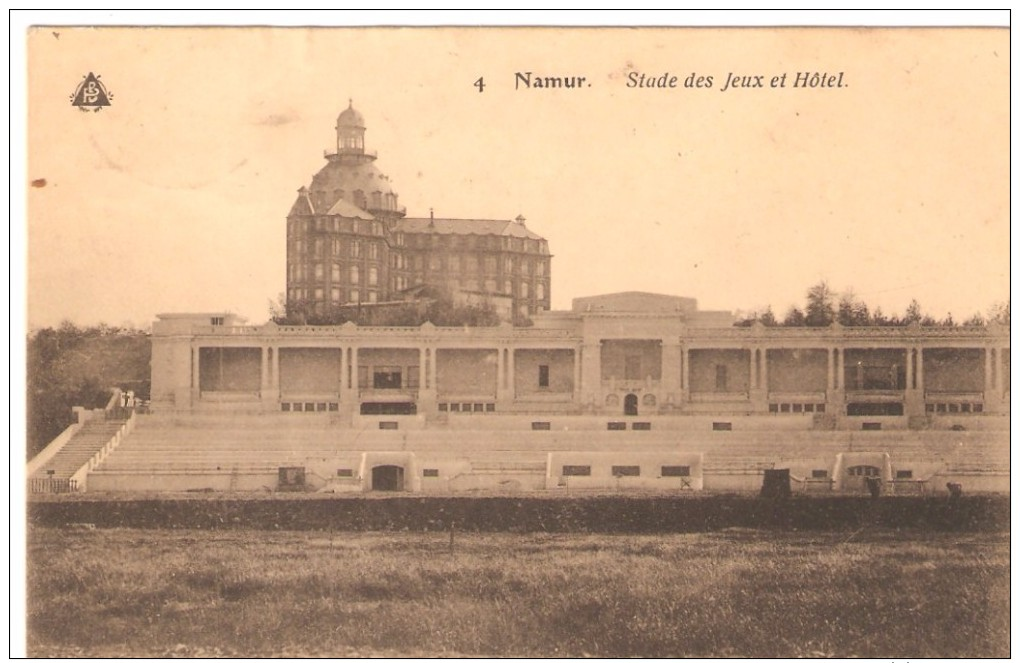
388 477
630 405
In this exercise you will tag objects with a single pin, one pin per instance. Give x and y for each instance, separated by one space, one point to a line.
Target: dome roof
350 117
350 177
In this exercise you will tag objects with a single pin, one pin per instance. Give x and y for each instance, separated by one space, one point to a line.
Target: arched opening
630 405
388 477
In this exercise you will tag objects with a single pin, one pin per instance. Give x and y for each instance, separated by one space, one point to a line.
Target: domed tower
337 229
350 133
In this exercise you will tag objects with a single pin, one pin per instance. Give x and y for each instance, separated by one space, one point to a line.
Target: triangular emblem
91 94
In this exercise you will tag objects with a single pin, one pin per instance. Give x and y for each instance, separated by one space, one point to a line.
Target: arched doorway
388 477
630 405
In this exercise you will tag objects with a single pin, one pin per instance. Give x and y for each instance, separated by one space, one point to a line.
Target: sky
174 198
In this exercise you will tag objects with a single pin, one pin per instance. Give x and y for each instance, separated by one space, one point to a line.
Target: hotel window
543 375
319 271
539 291
540 268
373 275
318 294
216 322
318 248
524 288
355 275
336 247
335 273
400 239
373 296
355 249
299 245
373 251
412 377
355 296
490 264
508 287
490 285
335 295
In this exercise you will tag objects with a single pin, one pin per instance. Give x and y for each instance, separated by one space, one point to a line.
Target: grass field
881 593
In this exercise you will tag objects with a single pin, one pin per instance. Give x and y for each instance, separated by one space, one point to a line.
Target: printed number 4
480 84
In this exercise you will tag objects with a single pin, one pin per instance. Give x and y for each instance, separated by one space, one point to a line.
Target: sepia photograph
515 342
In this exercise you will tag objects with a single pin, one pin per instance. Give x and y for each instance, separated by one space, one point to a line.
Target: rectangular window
334 407
820 407
465 407
334 295
386 377
541 425
978 407
454 407
345 472
676 470
355 249
616 425
363 377
443 407
904 474
626 470
216 322
871 425
721 379
285 407
576 471
388 425
784 407
722 425
355 296
543 376
819 474
479 407
335 273
798 407
355 275
641 425
430 473
809 407
490 407
412 377
373 275
774 408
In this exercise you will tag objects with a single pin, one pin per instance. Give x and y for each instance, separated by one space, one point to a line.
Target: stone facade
637 355
350 242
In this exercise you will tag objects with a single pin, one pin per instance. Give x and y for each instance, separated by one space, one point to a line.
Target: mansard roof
467 227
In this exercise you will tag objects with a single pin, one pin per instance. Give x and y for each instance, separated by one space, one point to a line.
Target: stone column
671 375
685 372
591 374
426 383
913 397
577 375
196 376
763 372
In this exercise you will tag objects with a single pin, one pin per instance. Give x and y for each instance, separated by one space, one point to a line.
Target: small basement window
285 407
576 471
388 425
541 425
430 472
722 425
616 425
819 474
443 407
626 470
345 472
904 474
871 425
641 425
676 470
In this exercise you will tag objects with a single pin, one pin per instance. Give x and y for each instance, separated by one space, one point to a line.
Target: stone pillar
196 375
998 372
757 395
577 375
763 372
591 374
913 402
685 372
426 382
671 375
511 388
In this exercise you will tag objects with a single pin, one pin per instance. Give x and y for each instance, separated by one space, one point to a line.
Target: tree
794 318
819 311
976 320
999 313
768 318
913 313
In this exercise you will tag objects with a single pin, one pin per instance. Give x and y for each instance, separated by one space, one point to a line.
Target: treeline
432 305
824 306
71 365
